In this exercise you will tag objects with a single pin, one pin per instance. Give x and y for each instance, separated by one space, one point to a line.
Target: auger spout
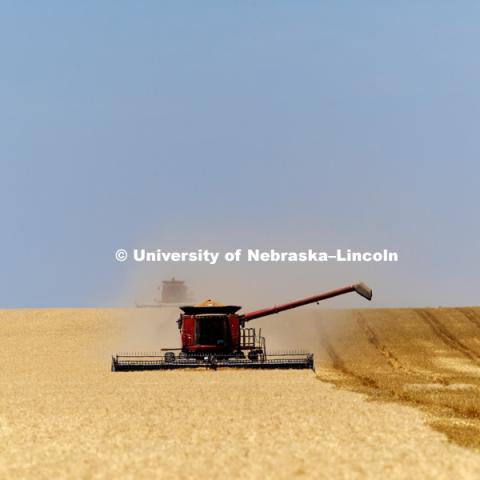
361 288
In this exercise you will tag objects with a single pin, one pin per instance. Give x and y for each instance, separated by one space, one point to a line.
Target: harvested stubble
429 358
63 414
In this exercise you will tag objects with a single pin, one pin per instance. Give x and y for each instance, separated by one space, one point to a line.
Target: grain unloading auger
214 335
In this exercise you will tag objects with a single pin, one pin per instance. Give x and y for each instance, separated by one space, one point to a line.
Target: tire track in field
471 315
389 356
446 336
372 338
339 364
392 359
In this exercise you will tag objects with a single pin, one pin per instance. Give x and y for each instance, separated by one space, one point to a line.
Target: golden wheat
63 414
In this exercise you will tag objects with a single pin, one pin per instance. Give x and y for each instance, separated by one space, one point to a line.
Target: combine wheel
169 357
253 355
212 360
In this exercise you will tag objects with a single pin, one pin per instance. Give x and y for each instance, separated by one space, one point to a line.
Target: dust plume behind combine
249 285
146 329
255 285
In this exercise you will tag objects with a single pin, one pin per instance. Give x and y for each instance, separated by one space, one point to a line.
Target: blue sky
282 124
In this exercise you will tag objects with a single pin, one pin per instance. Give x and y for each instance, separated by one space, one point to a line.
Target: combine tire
253 355
169 357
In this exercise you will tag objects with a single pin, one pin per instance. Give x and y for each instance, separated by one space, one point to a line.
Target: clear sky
281 124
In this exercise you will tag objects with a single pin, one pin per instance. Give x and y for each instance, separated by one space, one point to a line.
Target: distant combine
174 293
214 335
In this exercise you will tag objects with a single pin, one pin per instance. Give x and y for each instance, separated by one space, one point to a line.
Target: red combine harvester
174 293
215 335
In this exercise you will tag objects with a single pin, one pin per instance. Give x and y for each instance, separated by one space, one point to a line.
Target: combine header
214 335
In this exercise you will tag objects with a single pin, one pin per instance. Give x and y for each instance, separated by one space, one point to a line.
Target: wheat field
429 358
395 394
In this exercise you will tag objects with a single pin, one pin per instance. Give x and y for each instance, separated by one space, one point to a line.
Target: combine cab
215 335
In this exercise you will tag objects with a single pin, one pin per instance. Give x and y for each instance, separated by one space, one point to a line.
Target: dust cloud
249 285
147 330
